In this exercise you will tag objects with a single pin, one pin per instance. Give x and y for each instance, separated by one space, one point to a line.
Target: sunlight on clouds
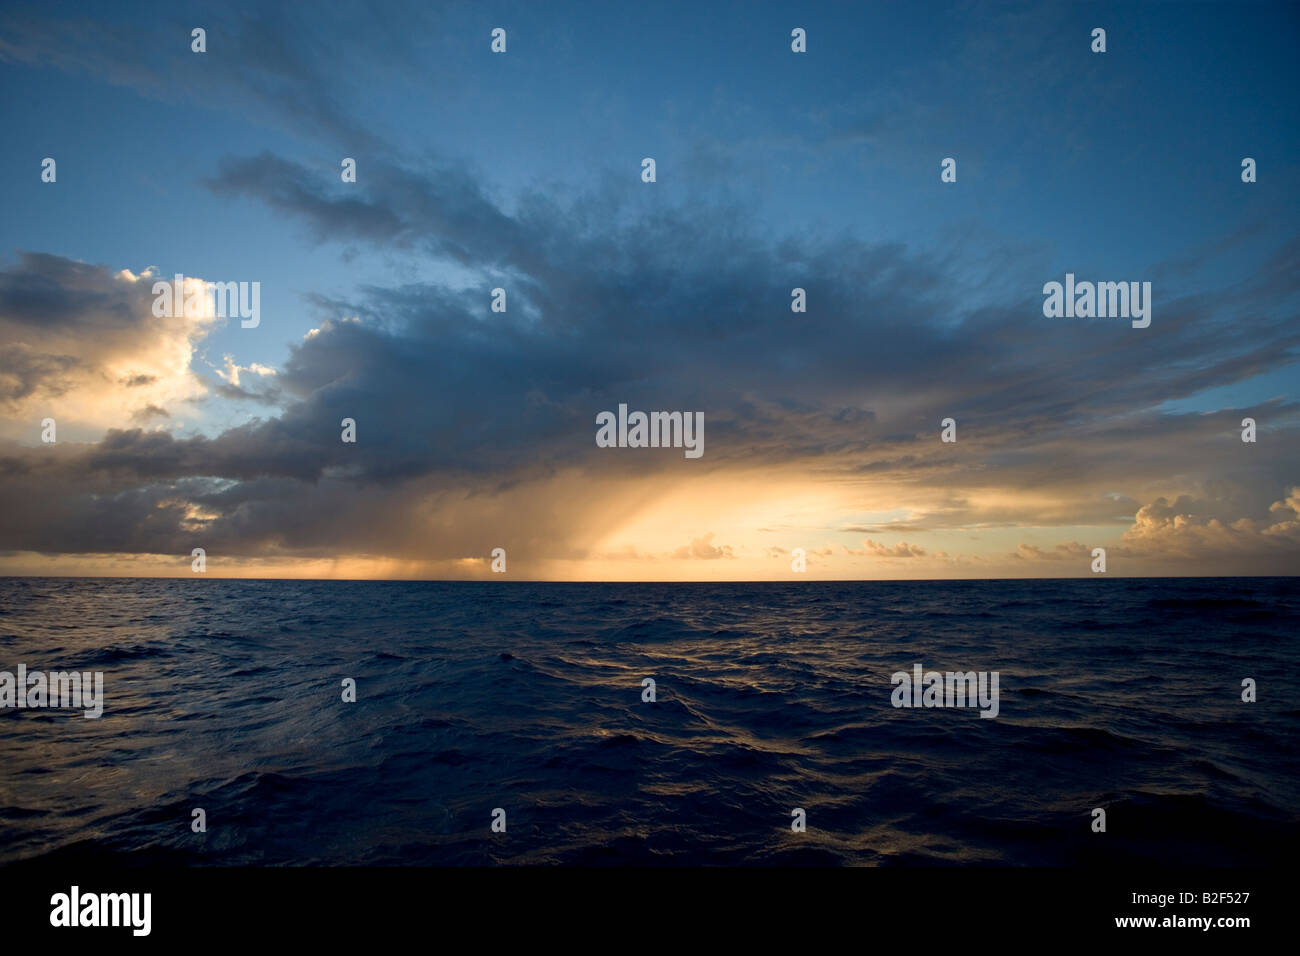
115 365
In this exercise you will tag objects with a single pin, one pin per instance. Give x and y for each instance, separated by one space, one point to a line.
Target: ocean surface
227 696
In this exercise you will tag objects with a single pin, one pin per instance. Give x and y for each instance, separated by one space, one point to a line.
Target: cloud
900 550
1066 551
261 388
1204 528
701 549
81 344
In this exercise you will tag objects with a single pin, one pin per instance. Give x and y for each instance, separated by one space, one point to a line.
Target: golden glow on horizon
723 524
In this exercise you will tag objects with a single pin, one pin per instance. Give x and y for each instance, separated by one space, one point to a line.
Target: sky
522 170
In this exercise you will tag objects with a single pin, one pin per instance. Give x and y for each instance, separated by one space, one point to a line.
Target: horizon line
503 580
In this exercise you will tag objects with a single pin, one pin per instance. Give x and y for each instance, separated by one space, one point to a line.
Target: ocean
228 696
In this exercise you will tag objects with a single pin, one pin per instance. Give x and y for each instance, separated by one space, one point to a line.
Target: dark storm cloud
632 300
48 292
442 210
679 310
708 295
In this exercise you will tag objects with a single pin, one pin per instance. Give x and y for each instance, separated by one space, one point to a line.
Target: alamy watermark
949 689
1102 300
75 908
56 689
653 430
222 299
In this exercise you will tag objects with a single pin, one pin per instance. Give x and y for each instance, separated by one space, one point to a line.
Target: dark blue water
226 695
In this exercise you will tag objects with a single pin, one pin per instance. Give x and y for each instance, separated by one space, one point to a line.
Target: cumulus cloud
81 344
701 548
1207 528
260 388
877 550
